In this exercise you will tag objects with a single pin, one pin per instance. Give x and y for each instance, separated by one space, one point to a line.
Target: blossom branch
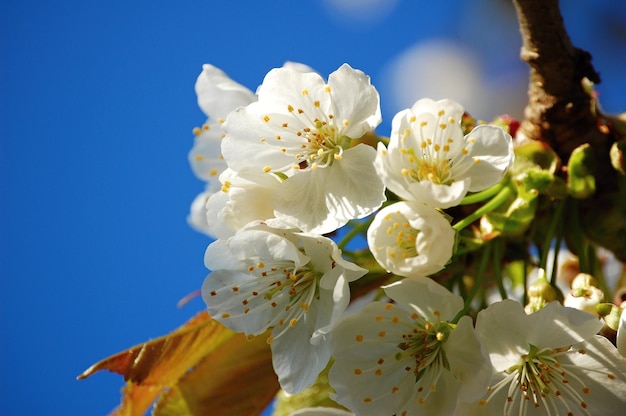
561 113
559 109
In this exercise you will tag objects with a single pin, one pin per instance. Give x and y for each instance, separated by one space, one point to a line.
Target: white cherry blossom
301 130
197 217
218 95
239 202
406 358
550 362
295 283
430 161
621 334
411 239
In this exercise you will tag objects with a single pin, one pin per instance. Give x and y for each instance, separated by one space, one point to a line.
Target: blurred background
97 106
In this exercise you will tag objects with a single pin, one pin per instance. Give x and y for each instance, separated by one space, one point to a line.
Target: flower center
541 380
287 290
406 238
322 147
315 139
424 346
434 158
402 237
427 168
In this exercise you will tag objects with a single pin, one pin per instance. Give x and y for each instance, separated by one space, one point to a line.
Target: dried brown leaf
200 368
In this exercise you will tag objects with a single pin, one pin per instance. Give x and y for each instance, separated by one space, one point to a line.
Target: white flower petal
604 372
197 217
217 225
251 244
323 200
297 362
365 374
555 326
354 96
250 144
554 363
205 157
428 160
449 107
621 334
245 201
298 66
391 358
492 153
300 129
272 278
469 361
286 86
438 195
386 164
411 239
427 297
301 201
355 190
218 94
503 327
439 402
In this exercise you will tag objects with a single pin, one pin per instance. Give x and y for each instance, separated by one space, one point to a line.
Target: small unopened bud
584 281
508 123
610 313
541 288
586 300
540 293
605 309
584 295
581 182
467 123
617 156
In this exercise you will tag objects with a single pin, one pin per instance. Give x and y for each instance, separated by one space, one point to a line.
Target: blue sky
96 111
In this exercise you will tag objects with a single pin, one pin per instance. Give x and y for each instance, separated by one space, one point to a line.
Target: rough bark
560 113
559 109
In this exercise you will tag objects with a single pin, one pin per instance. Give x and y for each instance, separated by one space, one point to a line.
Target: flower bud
540 293
584 281
617 156
581 182
610 313
584 295
508 123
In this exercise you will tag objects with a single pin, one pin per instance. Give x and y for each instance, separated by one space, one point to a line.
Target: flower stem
556 219
578 238
595 265
484 194
482 267
555 261
494 203
357 228
498 256
525 279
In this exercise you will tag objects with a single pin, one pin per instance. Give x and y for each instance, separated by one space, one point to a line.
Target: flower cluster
299 163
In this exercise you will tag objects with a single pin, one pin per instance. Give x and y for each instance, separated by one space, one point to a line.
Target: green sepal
581 180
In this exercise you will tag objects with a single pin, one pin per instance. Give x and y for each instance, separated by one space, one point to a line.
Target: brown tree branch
559 110
560 113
